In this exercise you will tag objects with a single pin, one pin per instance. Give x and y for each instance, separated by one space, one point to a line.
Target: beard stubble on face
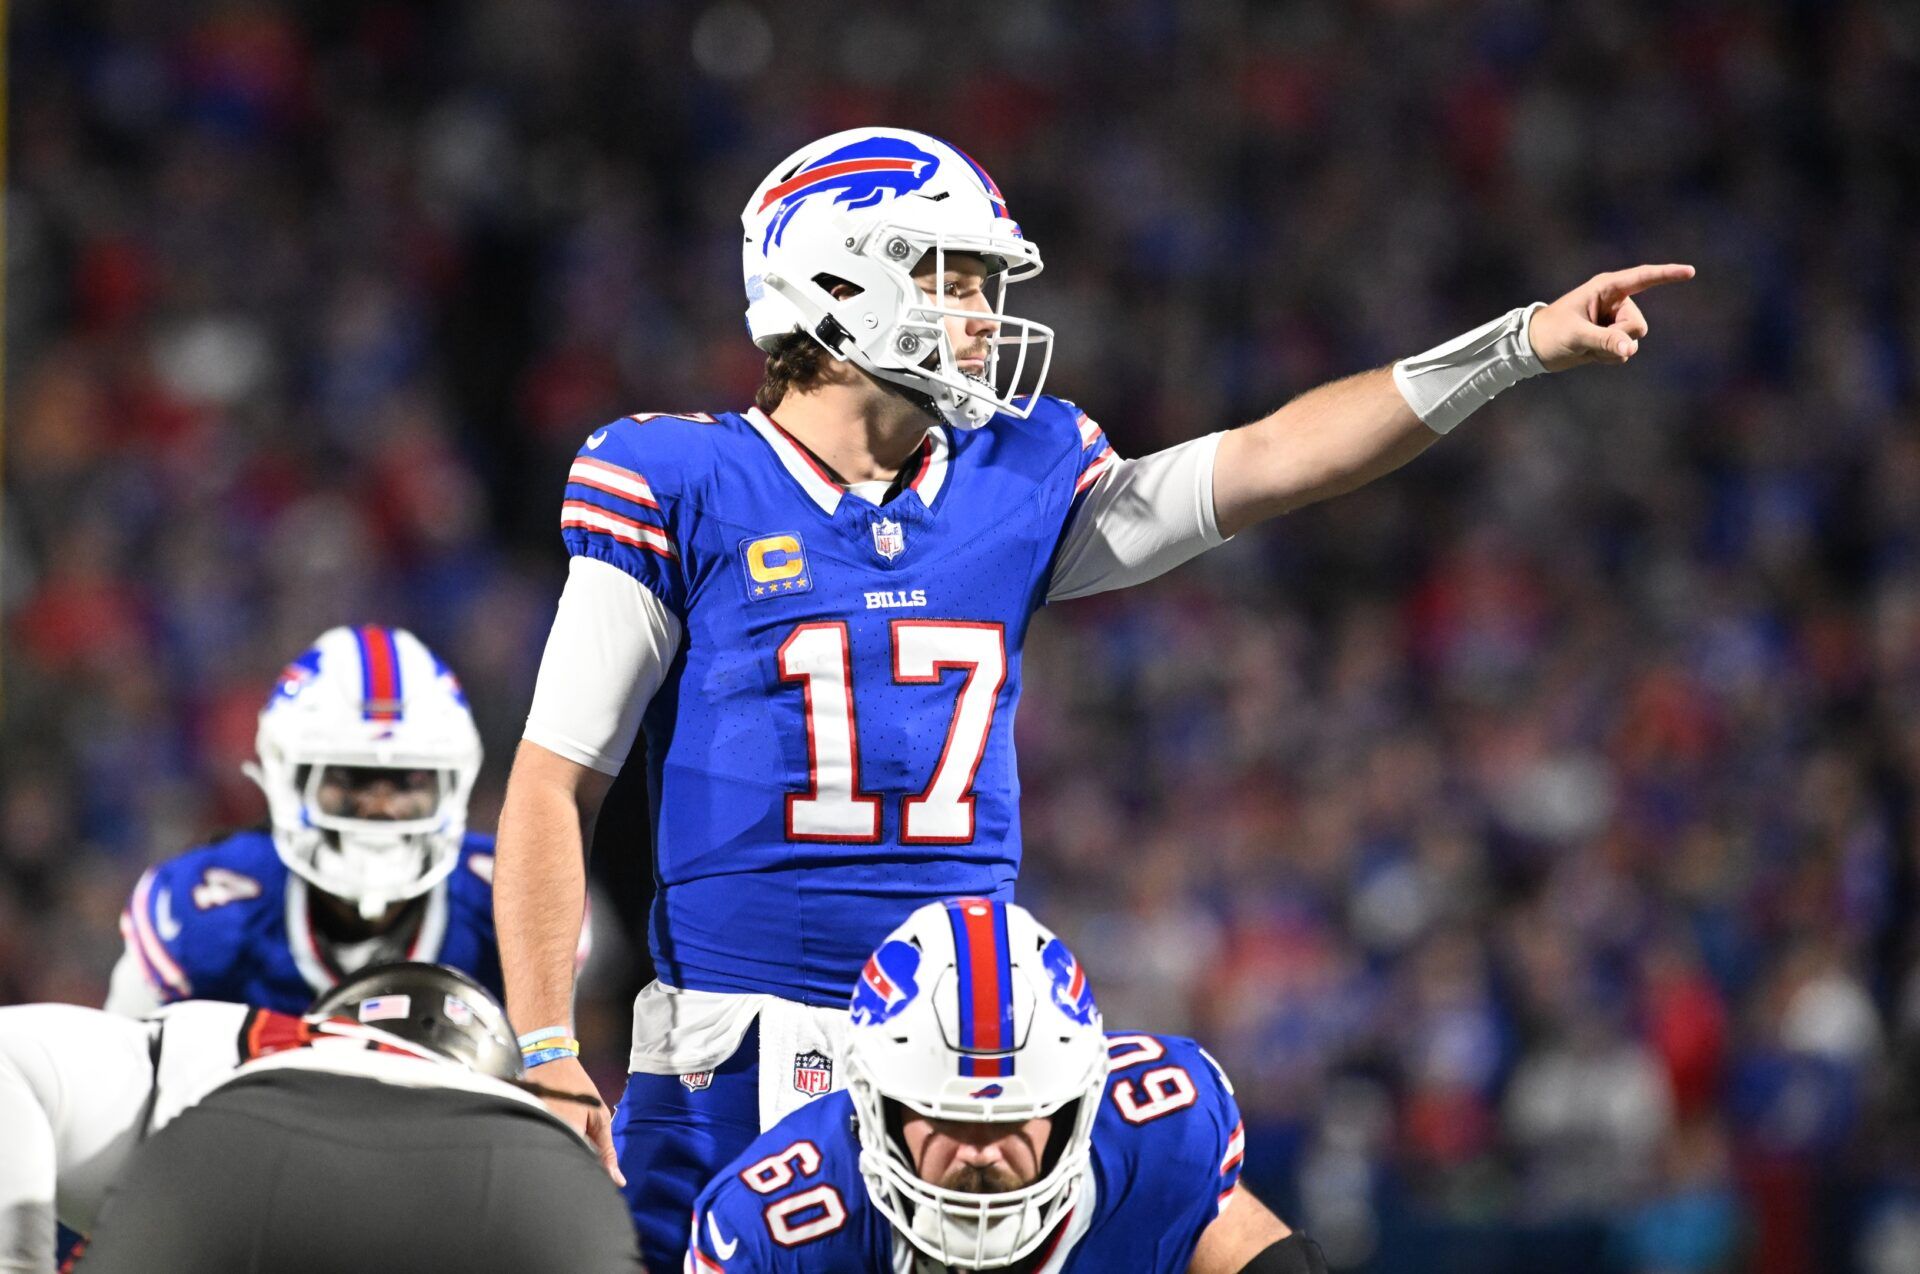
982 1178
981 350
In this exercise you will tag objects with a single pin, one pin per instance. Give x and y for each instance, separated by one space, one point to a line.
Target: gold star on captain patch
758 591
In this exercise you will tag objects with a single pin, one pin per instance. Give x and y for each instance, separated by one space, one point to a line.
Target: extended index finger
1641 277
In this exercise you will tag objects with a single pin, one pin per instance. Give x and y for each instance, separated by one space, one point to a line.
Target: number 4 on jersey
819 657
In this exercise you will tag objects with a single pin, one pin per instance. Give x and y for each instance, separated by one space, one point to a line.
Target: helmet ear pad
895 1116
1060 1134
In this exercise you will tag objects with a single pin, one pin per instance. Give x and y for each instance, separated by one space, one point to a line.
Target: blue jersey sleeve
1171 1110
1096 454
1086 453
793 1201
624 496
186 921
149 914
1229 1132
730 1233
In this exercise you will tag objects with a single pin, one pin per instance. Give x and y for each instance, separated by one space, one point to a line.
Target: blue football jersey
833 744
1167 1148
230 921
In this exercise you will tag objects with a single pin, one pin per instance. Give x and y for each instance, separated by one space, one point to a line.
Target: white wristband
1447 383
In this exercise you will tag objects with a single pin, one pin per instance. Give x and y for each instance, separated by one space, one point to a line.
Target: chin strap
961 1236
966 412
361 846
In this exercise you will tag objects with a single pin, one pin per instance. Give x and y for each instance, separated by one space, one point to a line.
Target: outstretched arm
1345 434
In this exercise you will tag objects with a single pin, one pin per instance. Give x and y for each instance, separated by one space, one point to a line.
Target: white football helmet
972 1010
366 698
864 207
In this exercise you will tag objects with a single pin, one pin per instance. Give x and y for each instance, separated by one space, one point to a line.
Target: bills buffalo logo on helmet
1071 990
859 175
297 676
886 985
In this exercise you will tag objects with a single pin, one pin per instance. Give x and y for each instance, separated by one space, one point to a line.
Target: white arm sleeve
130 992
610 648
1141 519
73 1085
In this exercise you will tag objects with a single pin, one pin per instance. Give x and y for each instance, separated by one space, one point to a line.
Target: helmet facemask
388 856
959 1228
370 862
324 732
912 347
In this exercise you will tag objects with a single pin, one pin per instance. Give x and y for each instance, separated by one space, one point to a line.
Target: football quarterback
815 607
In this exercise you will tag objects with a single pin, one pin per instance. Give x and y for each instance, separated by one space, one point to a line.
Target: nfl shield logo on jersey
694 1081
889 538
812 1073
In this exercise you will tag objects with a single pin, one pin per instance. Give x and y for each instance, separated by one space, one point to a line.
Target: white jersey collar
820 487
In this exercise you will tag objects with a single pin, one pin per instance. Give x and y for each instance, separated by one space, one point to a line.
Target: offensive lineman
367 754
815 609
387 1128
990 1123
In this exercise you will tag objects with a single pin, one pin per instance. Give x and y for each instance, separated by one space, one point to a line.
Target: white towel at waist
680 1032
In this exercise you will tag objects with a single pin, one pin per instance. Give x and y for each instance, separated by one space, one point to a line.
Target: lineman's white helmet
864 207
972 1010
367 698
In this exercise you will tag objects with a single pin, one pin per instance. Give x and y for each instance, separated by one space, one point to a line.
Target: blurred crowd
1532 835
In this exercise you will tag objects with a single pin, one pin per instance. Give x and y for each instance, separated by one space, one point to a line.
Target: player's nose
378 799
980 1146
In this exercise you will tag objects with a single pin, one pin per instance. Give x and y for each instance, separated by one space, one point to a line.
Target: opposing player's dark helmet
434 1007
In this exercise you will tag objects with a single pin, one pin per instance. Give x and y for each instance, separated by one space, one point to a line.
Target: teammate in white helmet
991 1123
388 1127
815 608
367 753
